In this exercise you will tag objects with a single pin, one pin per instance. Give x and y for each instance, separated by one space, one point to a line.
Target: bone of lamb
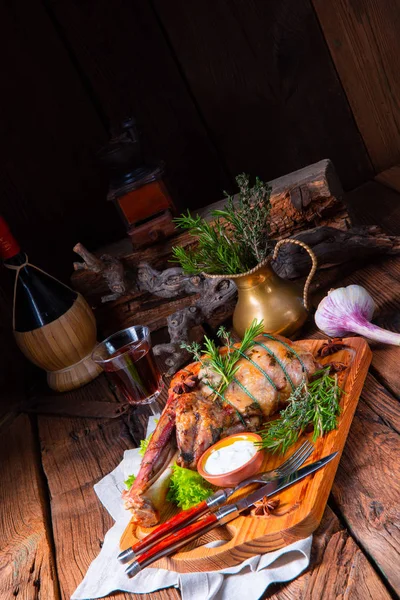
194 417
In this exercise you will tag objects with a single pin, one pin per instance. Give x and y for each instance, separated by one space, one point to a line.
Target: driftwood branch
216 301
169 283
110 268
333 247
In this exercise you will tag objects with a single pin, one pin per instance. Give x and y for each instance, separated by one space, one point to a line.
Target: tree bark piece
305 198
26 560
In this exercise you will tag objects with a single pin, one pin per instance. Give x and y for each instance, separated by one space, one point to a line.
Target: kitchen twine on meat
18 268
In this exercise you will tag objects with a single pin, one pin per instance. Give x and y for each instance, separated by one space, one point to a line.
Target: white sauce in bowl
229 458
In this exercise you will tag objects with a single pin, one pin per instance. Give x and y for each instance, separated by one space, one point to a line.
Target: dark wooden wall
218 86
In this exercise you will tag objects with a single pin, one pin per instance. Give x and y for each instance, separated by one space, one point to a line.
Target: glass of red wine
127 358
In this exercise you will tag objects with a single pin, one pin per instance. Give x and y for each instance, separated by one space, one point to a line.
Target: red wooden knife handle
183 518
177 539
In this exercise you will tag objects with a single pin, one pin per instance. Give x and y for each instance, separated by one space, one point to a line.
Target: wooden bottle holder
63 348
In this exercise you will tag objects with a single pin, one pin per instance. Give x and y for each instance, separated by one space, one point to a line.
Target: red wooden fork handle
174 524
175 541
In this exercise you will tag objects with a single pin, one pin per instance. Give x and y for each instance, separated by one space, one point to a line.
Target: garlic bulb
350 310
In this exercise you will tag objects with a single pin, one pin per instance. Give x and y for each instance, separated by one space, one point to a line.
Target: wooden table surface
53 524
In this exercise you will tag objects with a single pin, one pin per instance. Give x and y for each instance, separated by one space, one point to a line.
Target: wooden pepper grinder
53 325
137 189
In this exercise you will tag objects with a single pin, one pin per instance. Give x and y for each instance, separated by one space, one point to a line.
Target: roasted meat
195 417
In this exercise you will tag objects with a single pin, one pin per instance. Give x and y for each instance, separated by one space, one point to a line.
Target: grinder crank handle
185 517
181 538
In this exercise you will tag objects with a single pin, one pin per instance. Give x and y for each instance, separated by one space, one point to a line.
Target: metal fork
185 517
289 466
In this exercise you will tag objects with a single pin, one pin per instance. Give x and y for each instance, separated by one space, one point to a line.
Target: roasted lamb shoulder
195 417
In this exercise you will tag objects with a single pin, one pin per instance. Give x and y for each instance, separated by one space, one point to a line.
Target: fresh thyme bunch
315 403
236 240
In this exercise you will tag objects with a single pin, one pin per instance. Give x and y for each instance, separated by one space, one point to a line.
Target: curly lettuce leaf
187 488
129 482
144 443
142 449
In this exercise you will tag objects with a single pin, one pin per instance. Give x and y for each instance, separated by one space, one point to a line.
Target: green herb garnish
236 240
187 488
315 403
129 482
224 365
144 443
142 449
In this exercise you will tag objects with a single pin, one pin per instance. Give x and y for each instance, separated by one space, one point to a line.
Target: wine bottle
39 299
53 325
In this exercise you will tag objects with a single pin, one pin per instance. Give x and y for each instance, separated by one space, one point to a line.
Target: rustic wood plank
380 400
130 68
14 366
375 204
26 561
390 177
367 484
72 428
339 569
76 453
265 84
386 359
365 46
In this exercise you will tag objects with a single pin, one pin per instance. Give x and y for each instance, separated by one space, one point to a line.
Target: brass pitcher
264 295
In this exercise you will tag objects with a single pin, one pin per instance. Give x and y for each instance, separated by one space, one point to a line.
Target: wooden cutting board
301 506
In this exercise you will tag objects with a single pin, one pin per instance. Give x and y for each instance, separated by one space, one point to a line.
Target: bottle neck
9 247
16 261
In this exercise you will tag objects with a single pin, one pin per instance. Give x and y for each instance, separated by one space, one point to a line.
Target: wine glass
127 358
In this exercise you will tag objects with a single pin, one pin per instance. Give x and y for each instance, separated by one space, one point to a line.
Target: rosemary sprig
224 365
315 403
236 241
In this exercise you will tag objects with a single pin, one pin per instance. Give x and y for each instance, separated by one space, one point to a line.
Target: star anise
187 384
331 347
265 507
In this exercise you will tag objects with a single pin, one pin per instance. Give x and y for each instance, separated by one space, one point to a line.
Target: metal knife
181 538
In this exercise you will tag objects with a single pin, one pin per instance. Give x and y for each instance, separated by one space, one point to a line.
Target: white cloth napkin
251 578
